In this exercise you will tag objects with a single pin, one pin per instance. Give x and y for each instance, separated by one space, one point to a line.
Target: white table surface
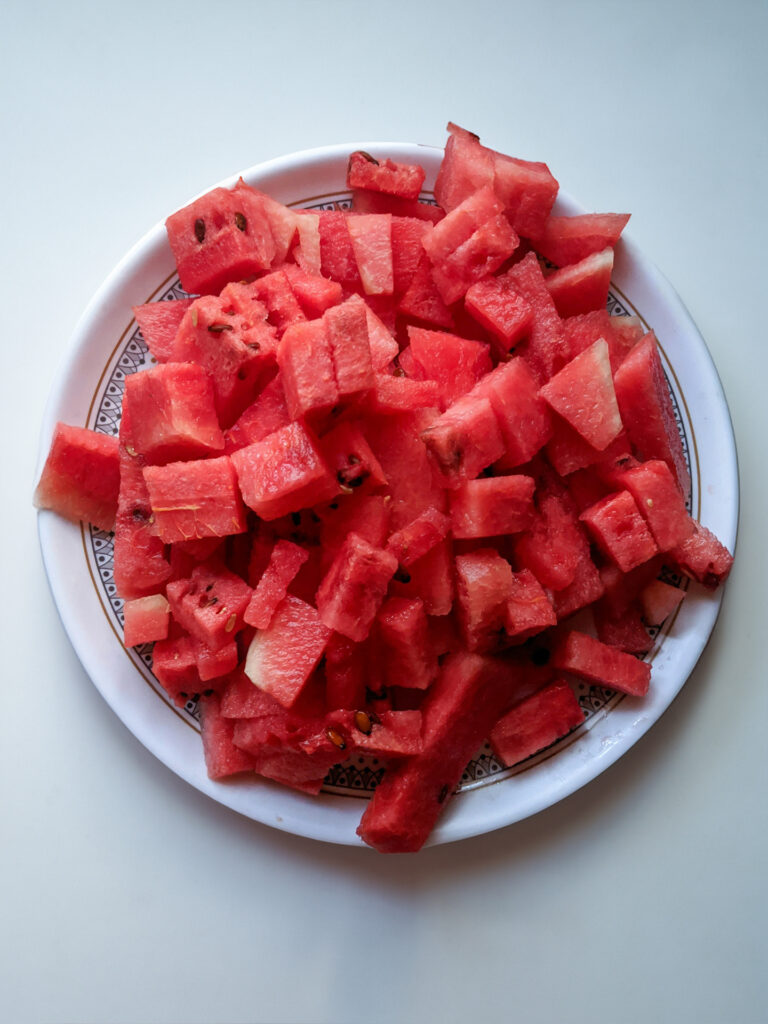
125 895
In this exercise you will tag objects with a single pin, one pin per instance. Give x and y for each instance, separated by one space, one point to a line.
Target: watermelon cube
484 585
371 236
223 236
195 499
658 497
421 535
567 240
465 440
283 473
422 300
583 286
544 349
222 757
286 560
492 506
214 662
646 409
145 619
210 604
349 457
430 579
528 610
554 545
346 672
620 530
159 322
410 660
503 313
625 631
536 723
404 180
314 292
175 667
702 557
407 250
173 414
306 252
268 413
588 658
346 329
275 292
337 254
354 587
392 394
281 658
457 364
658 600
583 394
140 565
81 476
364 514
306 367
586 587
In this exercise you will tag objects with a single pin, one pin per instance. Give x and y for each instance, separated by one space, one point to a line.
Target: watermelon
568 240
145 619
590 659
404 180
583 394
536 723
194 499
492 506
81 476
158 323
583 286
354 587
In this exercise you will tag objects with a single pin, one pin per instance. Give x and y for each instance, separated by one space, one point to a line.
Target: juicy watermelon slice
195 499
702 557
306 367
210 604
620 530
281 658
410 660
484 585
140 565
354 587
348 455
588 658
412 542
523 417
492 506
371 236
286 560
528 610
159 322
506 315
346 328
536 723
314 292
658 497
583 286
404 180
465 440
422 300
457 364
567 240
544 349
346 672
264 416
583 394
81 476
222 757
145 619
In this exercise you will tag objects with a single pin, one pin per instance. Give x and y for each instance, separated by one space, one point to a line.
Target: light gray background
126 896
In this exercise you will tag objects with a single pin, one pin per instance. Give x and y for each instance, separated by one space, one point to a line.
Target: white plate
106 347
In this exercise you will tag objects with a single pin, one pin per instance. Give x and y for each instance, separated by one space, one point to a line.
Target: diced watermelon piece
465 440
484 585
583 394
283 473
523 417
388 735
528 610
371 236
584 329
623 588
336 251
412 542
410 660
583 286
237 352
159 322
502 312
241 699
646 409
286 560
364 514
457 364
492 506
306 366
306 252
315 293
430 579
588 658
264 416
545 348
466 167
214 662
620 530
210 604
407 250
195 499
384 346
568 452
348 455
282 757
366 201
223 236
702 557
173 415
275 292
567 240
625 631
555 544
81 476
145 619
422 300
354 587
536 723
281 658
175 668
140 565
346 671
346 328
469 696
222 757
404 180
585 588
658 497
658 600
393 394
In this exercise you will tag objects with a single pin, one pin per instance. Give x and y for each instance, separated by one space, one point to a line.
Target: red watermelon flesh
646 409
346 328
175 668
407 250
281 658
81 476
386 735
145 619
354 587
502 312
306 366
457 364
409 658
195 499
337 253
554 545
314 292
349 456
584 329
625 632
469 696
346 672
173 413
430 579
364 514
366 201
140 565
306 252
658 497
222 757
283 473
568 452
223 236
264 416
585 588
484 585
214 662
536 723
421 535
583 286
286 560
544 349
588 658
702 557
371 236
658 600
422 300
396 179
528 610
159 322
393 394
567 240
583 394
523 418
620 530
465 440
210 604
492 506
275 292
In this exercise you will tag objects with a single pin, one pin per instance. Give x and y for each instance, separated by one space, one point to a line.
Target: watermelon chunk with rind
281 658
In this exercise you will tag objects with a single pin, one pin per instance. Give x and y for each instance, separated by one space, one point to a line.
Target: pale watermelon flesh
384 457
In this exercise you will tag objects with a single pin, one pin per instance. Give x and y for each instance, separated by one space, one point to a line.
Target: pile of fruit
381 461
